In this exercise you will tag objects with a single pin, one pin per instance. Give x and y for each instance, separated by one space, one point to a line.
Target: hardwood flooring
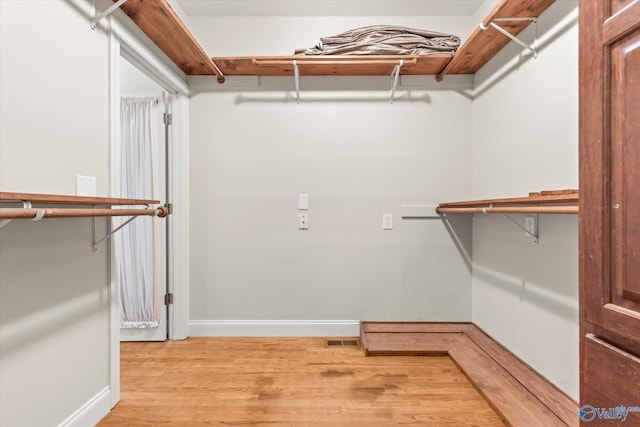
289 382
519 394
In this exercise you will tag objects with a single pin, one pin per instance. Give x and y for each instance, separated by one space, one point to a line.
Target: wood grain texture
410 344
513 209
289 382
552 397
509 398
57 199
160 22
20 213
164 27
612 379
414 327
353 65
499 375
483 45
551 202
544 197
609 226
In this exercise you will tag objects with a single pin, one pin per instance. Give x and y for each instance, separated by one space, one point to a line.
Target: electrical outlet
303 221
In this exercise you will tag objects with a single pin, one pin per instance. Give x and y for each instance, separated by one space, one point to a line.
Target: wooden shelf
158 20
354 65
56 199
553 202
483 45
90 206
165 28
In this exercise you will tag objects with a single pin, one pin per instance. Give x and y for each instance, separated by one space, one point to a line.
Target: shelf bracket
98 17
296 76
110 234
532 235
493 24
395 76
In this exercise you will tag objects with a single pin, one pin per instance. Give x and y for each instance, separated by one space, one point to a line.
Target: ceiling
329 7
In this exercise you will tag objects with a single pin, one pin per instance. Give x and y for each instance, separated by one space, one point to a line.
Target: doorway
139 170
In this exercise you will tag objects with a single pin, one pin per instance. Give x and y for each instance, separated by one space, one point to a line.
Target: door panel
625 184
606 364
609 206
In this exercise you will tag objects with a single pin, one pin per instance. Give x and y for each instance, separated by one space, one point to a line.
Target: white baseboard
91 412
274 328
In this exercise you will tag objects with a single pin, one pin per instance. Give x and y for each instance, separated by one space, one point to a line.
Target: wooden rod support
31 213
511 209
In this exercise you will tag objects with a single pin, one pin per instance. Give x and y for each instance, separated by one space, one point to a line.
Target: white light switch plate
85 185
303 202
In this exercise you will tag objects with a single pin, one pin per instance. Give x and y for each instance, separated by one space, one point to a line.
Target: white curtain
139 161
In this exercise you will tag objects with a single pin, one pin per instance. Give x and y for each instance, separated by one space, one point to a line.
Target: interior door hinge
167 118
168 299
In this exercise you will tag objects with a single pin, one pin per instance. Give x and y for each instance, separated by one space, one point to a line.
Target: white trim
140 54
274 328
179 221
178 236
114 289
123 42
91 412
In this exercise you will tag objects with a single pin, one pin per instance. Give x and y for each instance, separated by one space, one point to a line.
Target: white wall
525 138
54 342
254 150
282 35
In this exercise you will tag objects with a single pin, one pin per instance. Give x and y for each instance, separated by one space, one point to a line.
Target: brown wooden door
610 207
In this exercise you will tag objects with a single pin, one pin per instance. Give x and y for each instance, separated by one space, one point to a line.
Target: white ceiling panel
329 7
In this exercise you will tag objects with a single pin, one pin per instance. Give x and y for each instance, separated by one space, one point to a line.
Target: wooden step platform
520 395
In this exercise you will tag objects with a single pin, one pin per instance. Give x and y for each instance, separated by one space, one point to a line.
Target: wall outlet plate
387 221
303 221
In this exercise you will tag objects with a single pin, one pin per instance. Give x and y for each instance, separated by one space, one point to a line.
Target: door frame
123 42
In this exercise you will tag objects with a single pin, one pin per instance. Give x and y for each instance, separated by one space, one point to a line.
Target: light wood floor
289 382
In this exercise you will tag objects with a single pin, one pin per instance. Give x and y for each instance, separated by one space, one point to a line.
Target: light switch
303 202
85 185
387 221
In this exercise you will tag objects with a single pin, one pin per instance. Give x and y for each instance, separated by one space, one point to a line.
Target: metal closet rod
511 209
34 213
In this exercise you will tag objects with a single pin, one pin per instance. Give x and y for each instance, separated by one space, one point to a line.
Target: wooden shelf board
483 45
558 198
355 65
160 22
163 26
54 199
